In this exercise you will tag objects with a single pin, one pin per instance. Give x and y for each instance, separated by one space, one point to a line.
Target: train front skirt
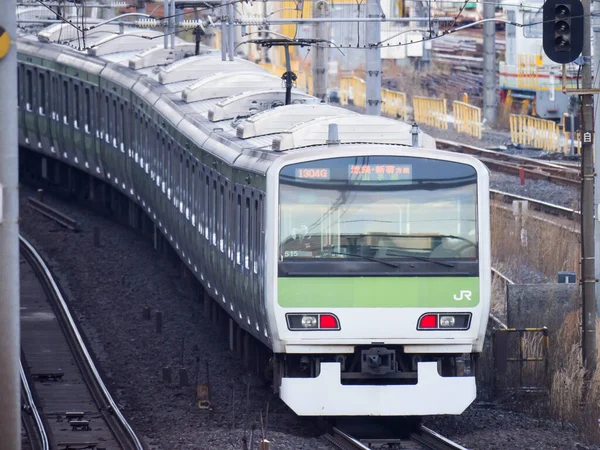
326 396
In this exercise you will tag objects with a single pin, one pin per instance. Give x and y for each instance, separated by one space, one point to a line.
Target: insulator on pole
148 23
190 24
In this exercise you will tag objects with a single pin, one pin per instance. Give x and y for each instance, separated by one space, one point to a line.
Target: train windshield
378 210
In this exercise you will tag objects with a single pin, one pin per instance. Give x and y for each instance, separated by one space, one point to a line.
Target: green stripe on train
378 292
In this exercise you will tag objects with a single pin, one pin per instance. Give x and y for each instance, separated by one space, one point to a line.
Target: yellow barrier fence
353 89
394 104
467 119
534 132
430 111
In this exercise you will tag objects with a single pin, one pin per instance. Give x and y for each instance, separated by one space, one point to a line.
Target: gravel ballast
110 286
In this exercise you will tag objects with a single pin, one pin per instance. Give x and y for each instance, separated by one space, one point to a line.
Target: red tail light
328 321
428 321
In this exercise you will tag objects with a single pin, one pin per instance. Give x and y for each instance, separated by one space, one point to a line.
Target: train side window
106 128
229 228
165 175
55 95
247 234
222 219
193 203
29 92
238 228
256 237
207 224
200 200
114 123
187 197
42 91
66 109
123 135
88 110
214 214
76 106
181 183
19 86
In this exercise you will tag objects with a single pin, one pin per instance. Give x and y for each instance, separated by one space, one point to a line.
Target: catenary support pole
173 27
224 30
489 64
166 23
595 65
319 67
10 419
373 59
231 41
588 279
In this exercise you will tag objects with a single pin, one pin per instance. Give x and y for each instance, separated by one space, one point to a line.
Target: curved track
78 411
36 435
422 438
534 169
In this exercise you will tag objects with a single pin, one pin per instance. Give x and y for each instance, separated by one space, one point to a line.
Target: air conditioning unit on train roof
249 103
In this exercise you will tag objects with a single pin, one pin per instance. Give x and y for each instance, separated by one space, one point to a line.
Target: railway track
421 438
534 169
59 374
537 205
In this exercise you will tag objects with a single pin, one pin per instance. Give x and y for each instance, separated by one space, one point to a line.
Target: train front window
378 208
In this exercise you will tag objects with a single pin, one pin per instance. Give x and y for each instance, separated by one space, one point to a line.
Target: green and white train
360 260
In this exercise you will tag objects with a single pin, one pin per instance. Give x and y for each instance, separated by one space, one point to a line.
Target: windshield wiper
422 258
369 258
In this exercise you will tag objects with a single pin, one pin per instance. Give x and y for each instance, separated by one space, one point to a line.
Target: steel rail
434 441
119 425
30 409
538 205
344 441
426 438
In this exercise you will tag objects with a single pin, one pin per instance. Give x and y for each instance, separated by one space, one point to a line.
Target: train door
87 125
44 115
79 150
65 134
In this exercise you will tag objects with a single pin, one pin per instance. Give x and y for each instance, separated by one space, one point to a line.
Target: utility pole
10 417
489 64
588 275
319 66
373 59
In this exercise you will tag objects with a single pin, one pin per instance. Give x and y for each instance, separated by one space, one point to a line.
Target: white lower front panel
326 396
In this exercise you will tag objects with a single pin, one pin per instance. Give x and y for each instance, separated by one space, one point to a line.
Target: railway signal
563 30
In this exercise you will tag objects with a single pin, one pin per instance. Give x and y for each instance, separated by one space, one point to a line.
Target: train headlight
312 321
309 321
444 321
447 321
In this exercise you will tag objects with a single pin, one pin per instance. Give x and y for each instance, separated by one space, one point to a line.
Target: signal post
567 33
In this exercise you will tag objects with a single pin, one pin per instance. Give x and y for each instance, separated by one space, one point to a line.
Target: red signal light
328 321
428 321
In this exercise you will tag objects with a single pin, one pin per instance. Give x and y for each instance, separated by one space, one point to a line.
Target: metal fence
467 119
431 111
394 104
533 132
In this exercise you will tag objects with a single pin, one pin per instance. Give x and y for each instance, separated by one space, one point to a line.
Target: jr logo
463 295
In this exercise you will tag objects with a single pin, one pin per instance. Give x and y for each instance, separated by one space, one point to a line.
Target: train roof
226 107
